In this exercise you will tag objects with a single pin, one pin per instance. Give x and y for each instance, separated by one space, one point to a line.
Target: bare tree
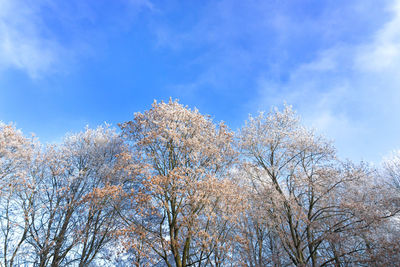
16 190
183 199
76 197
302 192
174 189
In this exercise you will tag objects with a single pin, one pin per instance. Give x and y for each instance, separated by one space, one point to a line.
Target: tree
306 199
391 168
183 201
384 238
175 189
76 198
16 190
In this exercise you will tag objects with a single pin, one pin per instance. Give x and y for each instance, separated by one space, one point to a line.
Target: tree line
173 188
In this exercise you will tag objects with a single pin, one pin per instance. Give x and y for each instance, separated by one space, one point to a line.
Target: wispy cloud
351 92
22 44
337 62
41 36
251 38
383 53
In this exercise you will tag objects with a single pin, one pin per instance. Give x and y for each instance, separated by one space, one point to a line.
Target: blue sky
66 64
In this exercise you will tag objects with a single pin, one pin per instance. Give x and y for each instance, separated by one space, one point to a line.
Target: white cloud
22 45
351 92
42 36
383 54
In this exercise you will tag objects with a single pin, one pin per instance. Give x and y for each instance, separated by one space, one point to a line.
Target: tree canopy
173 188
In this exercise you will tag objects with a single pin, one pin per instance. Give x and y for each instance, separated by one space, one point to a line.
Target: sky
66 64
